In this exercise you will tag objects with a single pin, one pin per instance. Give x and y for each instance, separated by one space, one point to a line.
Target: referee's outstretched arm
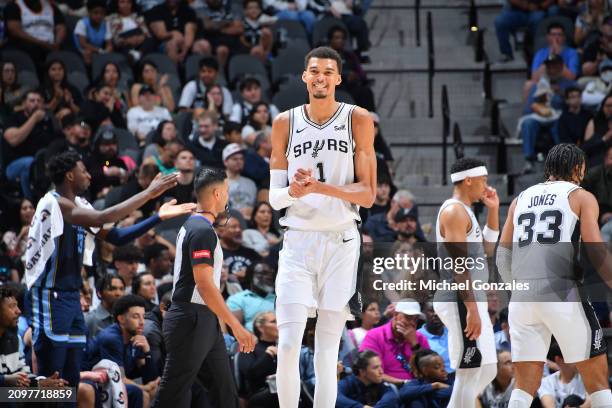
203 275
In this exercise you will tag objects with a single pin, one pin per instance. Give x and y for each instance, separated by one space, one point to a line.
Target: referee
194 343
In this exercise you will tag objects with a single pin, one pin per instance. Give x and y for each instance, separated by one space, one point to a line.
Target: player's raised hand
490 198
473 323
170 209
162 183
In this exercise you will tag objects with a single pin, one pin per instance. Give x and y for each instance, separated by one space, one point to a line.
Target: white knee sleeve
327 344
289 344
469 383
601 399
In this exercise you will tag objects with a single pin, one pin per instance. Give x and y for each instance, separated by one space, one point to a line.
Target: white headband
475 172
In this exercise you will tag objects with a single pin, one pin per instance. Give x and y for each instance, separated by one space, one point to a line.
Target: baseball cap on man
231 149
409 307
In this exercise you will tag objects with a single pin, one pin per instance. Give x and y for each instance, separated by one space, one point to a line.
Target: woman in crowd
100 108
149 75
61 98
166 132
111 77
129 32
598 134
16 242
11 92
259 121
370 317
261 234
144 285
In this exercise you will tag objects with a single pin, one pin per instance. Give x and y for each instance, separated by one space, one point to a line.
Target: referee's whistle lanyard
227 216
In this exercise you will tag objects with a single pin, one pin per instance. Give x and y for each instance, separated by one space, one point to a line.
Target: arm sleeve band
503 260
279 192
490 235
121 236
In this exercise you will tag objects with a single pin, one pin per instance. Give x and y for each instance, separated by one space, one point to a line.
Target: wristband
490 235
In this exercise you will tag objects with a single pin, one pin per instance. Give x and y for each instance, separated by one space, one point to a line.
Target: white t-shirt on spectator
553 386
242 192
238 112
141 121
81 29
249 130
190 91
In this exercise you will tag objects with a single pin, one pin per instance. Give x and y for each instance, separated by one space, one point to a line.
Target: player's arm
588 211
363 192
282 194
503 258
455 223
92 218
491 231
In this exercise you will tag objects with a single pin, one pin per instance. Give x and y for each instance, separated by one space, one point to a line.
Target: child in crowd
430 388
92 34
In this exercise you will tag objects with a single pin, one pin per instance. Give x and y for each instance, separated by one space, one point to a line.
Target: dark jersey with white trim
196 243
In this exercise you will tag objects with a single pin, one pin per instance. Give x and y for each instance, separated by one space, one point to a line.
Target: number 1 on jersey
321 176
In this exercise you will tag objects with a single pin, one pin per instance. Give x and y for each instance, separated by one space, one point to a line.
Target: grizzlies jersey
328 150
546 232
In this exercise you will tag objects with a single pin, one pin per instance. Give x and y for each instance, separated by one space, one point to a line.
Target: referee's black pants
194 349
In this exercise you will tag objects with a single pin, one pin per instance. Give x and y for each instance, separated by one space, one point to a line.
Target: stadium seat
288 62
79 80
29 79
184 125
291 29
539 40
242 65
72 60
164 64
322 27
192 66
290 95
125 139
22 61
298 45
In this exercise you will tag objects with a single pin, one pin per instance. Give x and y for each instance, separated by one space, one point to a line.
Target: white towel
48 224
114 394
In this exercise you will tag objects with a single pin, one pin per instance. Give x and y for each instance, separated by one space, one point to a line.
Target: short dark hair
124 303
553 25
92 4
333 30
61 164
153 251
571 89
209 62
363 360
325 53
138 281
465 163
230 126
127 253
419 359
207 177
249 81
149 170
246 2
38 92
561 161
7 292
572 401
106 282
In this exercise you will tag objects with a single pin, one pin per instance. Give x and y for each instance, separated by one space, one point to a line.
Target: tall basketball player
538 244
323 167
471 343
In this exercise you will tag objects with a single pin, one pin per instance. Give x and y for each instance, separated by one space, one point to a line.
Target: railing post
445 132
430 62
417 21
487 87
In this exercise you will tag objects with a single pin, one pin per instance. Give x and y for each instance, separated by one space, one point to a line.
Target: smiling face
321 77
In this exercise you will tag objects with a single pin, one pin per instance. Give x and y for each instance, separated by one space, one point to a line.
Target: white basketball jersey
39 25
328 150
545 232
474 235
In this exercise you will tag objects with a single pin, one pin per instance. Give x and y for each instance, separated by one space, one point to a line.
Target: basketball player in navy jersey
323 167
59 327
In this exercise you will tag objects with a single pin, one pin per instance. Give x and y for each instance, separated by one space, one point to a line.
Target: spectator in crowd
382 202
556 45
111 77
174 24
129 32
370 317
61 98
124 344
257 35
597 88
221 29
290 10
365 387
14 372
153 330
185 165
383 227
11 91
25 132
250 94
261 234
149 75
598 181
355 23
543 108
384 157
100 108
85 298
598 133
165 132
135 184
92 35
555 388
167 155
261 363
589 23
246 305
236 256
259 122
104 165
214 103
436 334
574 119
110 287
598 51
497 394
126 259
158 261
257 161
242 191
431 387
194 92
517 14
17 238
143 285
354 78
77 134
502 337
396 341
145 117
35 27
